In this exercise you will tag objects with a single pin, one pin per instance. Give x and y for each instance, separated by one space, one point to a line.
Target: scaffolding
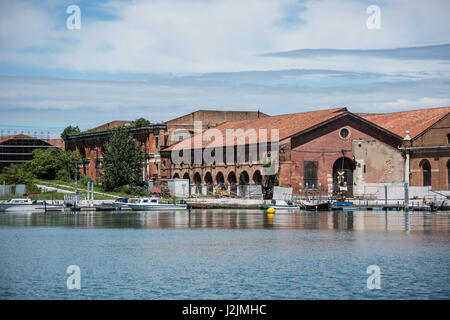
17 146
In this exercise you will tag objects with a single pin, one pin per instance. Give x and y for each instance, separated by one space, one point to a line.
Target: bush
19 174
69 131
63 175
138 192
141 122
85 179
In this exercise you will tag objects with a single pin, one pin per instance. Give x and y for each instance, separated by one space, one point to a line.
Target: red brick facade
373 155
432 147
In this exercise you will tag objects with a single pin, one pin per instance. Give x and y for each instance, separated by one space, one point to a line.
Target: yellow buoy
270 210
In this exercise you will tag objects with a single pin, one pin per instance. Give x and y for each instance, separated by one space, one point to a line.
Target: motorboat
120 203
21 204
279 205
152 204
310 206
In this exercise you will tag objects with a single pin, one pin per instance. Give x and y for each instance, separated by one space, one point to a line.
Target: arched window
426 173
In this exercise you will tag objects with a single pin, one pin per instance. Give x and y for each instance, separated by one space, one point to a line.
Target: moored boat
279 205
26 204
120 203
152 204
309 206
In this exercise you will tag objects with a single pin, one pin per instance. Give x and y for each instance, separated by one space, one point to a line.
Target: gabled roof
286 124
16 136
54 142
415 121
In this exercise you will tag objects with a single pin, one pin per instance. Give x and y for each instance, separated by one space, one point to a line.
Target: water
225 254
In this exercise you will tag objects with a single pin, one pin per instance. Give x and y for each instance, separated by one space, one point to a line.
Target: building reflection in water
385 221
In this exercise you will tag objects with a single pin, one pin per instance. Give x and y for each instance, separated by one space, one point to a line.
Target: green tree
270 180
141 122
122 160
243 179
54 163
17 174
68 131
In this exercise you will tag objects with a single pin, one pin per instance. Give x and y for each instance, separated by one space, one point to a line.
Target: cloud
90 103
438 52
209 35
168 58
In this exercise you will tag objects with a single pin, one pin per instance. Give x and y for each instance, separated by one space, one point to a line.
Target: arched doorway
197 178
186 176
198 183
343 176
231 178
176 176
448 174
209 183
220 178
232 182
426 173
244 178
257 177
208 178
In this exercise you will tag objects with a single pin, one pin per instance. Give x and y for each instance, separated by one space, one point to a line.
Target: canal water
225 254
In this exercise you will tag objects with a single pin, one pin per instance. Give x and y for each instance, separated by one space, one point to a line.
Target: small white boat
120 203
152 204
279 205
21 205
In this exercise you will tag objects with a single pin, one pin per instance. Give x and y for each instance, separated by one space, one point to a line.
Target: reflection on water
225 254
387 221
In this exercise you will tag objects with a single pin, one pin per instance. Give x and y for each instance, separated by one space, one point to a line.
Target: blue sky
160 59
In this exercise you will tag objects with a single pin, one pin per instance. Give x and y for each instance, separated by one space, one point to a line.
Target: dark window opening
426 171
310 174
344 133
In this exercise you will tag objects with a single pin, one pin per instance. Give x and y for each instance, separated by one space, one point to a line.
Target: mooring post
92 194
88 190
320 192
385 196
406 208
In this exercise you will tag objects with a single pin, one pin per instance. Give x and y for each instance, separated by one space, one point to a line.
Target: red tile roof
287 124
415 121
54 142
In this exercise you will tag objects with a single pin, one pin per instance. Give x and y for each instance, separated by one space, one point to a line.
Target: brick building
153 138
314 148
19 148
427 146
183 127
90 145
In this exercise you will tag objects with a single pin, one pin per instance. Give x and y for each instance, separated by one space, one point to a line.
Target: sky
160 59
